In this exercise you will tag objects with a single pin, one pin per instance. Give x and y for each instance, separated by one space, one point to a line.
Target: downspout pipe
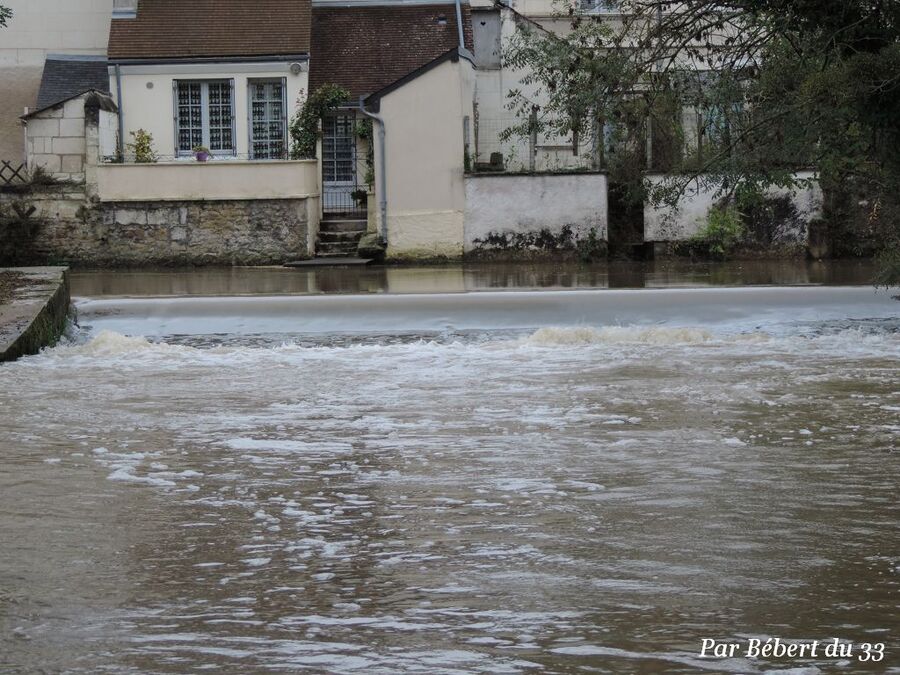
121 144
382 161
459 26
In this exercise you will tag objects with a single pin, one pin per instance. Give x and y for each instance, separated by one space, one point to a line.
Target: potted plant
360 196
201 153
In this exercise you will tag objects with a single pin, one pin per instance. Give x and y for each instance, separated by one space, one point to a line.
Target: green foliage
142 147
592 248
365 131
5 15
361 197
768 86
304 127
40 177
889 267
723 232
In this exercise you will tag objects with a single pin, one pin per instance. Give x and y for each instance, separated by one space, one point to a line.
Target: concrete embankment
33 309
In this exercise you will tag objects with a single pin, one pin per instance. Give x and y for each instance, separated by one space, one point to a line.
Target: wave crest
109 343
655 335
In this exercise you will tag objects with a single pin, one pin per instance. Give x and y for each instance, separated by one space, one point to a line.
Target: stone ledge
35 317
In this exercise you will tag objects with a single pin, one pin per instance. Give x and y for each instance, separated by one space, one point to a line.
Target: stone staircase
339 236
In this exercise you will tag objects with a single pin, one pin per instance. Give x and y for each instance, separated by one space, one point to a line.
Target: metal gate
342 193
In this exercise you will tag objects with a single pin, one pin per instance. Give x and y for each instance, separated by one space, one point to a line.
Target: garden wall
529 214
792 213
73 229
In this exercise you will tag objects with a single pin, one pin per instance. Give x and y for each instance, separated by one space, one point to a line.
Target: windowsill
231 161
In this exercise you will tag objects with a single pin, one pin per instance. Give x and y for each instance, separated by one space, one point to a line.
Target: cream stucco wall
425 148
148 103
38 28
41 27
184 181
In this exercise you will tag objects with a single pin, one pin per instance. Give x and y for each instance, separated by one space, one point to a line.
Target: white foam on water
411 484
548 337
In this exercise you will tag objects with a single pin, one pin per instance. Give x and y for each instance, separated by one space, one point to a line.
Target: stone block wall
78 230
55 140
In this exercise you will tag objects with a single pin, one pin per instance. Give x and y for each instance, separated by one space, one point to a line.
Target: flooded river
242 472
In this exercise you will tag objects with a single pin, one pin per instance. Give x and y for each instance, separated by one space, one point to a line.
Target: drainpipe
121 144
25 139
382 157
459 26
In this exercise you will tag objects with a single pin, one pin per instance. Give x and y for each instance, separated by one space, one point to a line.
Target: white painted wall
148 102
528 204
691 214
492 88
108 134
425 149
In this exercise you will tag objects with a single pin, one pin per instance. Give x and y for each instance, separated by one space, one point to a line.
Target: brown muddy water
240 471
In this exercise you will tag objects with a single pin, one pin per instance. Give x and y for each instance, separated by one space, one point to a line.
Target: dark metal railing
349 200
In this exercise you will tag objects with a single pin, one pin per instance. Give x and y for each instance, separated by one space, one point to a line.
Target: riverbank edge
37 314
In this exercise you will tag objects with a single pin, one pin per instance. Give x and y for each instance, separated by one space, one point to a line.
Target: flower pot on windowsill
201 154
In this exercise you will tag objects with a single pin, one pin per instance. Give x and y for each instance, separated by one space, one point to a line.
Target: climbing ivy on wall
5 14
304 127
365 131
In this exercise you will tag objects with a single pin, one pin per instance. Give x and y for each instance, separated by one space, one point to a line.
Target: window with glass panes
204 115
339 149
267 119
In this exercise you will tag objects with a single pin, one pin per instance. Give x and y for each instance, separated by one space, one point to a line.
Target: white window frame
599 7
204 112
251 82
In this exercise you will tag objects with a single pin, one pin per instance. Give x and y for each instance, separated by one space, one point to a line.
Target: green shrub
304 128
142 148
723 232
888 260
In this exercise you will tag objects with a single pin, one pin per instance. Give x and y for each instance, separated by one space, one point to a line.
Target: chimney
125 9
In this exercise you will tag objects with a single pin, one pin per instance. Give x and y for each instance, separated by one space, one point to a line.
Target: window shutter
233 121
250 151
175 116
286 154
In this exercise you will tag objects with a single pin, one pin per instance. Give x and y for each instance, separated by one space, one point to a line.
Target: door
339 165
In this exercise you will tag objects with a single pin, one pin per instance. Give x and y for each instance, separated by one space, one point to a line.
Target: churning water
479 483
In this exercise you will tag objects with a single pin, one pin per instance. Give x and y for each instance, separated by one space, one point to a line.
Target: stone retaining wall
38 314
78 230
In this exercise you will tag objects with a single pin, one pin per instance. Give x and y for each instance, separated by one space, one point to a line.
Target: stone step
333 254
337 248
343 225
339 237
330 261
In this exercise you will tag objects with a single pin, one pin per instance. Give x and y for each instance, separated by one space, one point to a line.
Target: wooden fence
12 174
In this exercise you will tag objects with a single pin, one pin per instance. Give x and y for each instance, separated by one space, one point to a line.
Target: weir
735 309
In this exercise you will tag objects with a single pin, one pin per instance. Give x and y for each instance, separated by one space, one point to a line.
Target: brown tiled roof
166 29
364 49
